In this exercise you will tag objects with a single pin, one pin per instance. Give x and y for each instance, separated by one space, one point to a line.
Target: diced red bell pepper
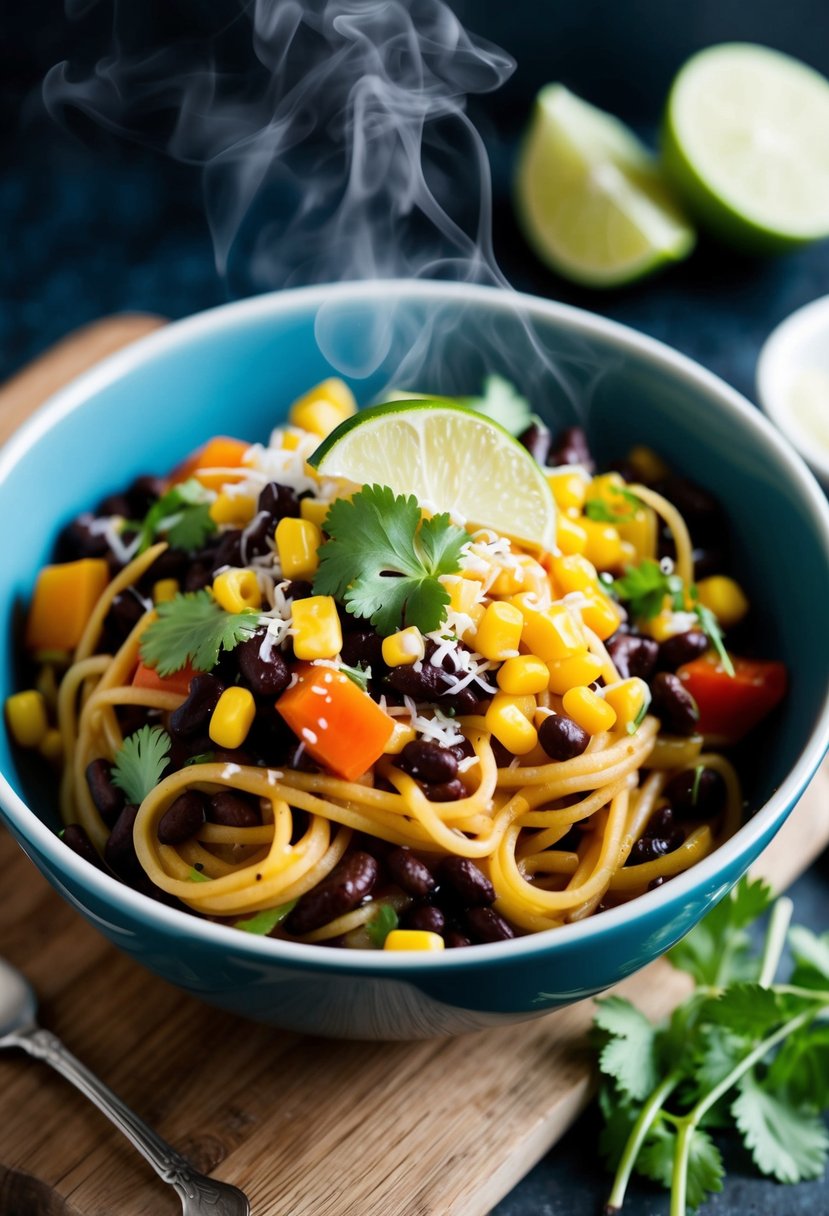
731 706
178 682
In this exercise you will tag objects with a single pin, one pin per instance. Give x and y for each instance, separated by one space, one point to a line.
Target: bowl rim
779 353
304 956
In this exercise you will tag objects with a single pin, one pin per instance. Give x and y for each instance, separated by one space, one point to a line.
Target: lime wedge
746 143
452 459
590 197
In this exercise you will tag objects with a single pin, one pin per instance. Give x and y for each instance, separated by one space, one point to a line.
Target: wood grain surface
307 1127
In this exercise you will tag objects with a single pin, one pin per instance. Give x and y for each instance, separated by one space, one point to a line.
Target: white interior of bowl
576 322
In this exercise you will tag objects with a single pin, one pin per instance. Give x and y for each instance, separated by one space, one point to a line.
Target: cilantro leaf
717 951
502 402
602 513
811 956
644 587
140 762
265 922
801 1067
358 675
381 925
182 516
628 1050
746 1009
711 629
383 564
193 628
619 1115
786 1141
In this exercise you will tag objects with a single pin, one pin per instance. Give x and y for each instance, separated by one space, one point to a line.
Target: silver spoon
200 1195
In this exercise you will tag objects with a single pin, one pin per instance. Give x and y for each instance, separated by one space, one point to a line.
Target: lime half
746 144
452 459
590 197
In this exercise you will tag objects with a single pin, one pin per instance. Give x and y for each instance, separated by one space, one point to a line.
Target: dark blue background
94 227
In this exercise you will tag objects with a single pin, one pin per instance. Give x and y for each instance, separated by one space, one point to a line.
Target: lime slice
746 142
451 458
590 197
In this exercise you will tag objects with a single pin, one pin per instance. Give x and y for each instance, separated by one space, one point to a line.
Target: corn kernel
413 939
232 508
464 593
627 699
570 673
570 536
526 674
324 407
552 633
26 716
164 590
638 534
573 573
290 441
403 648
297 541
667 624
51 746
600 614
232 718
314 510
315 627
725 598
569 488
590 711
235 590
499 632
510 725
647 465
402 733
508 581
604 544
606 487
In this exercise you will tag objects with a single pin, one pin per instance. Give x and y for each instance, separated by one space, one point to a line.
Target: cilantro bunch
742 1050
181 516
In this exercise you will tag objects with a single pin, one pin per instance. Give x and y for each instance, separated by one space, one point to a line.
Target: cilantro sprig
644 587
383 563
181 516
140 762
193 628
742 1049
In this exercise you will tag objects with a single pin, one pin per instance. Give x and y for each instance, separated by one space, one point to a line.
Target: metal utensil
200 1195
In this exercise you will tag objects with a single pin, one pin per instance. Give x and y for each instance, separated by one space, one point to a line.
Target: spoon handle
200 1195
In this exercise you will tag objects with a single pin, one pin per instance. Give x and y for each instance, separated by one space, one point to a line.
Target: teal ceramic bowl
235 370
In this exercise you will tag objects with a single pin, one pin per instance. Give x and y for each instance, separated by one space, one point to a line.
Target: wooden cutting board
306 1127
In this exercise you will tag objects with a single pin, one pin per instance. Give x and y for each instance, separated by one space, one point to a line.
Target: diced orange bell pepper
730 706
221 452
65 596
339 724
178 682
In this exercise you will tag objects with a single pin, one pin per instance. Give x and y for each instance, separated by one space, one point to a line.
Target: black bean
197 576
633 655
105 794
681 648
661 822
561 737
463 749
454 940
697 795
193 715
426 918
119 851
183 817
234 810
363 648
537 440
468 881
143 492
649 848
298 589
172 563
487 925
80 539
126 611
427 684
673 704
503 756
257 537
571 447
266 677
700 510
228 551
115 504
279 501
344 889
76 838
410 873
428 761
656 882
445 791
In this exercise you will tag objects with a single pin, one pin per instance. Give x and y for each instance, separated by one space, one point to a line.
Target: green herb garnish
632 727
195 875
501 401
201 758
265 922
644 587
359 675
603 512
741 1048
698 771
140 761
381 925
181 516
383 563
193 628
710 627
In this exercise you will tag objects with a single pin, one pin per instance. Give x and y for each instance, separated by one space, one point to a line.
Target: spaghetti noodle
543 825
